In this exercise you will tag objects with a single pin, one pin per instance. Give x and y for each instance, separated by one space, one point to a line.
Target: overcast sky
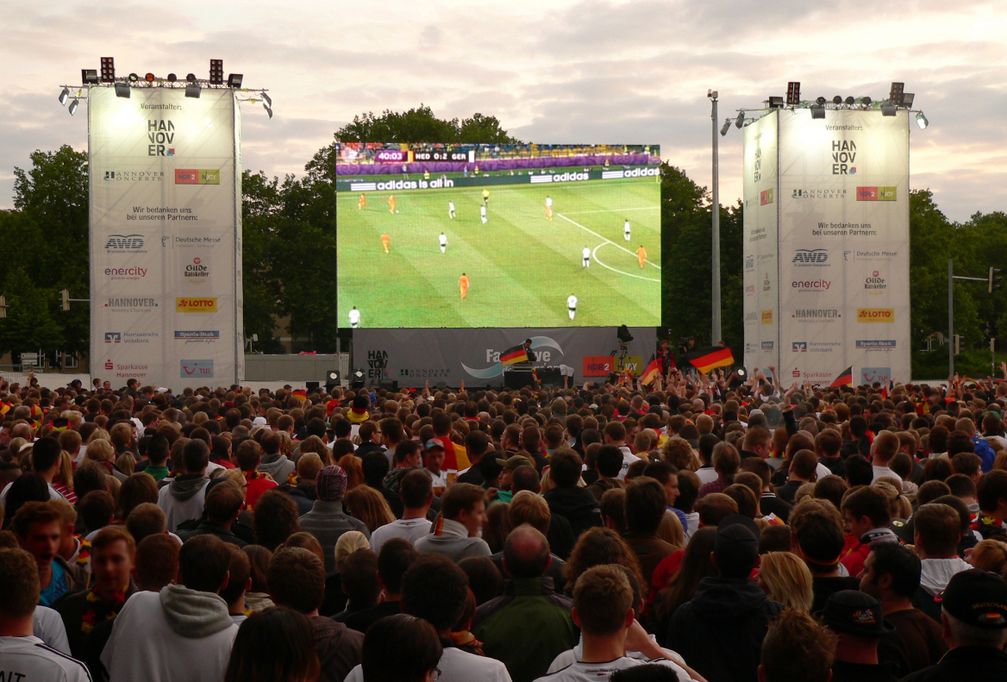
550 70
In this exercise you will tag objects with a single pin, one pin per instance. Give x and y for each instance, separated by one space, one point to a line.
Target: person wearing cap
327 521
974 618
720 630
433 458
856 619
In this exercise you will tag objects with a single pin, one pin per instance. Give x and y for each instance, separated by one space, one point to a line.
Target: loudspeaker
312 385
390 385
518 378
623 334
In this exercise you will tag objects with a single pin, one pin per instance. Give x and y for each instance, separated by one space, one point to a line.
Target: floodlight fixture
172 77
724 128
134 77
89 76
921 120
907 100
234 80
149 77
888 109
775 102
820 101
837 100
107 70
216 72
897 93
793 93
190 78
122 89
850 101
866 100
740 120
192 90
817 111
64 95
76 103
269 110
267 99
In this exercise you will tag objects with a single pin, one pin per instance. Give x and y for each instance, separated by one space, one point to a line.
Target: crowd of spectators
714 530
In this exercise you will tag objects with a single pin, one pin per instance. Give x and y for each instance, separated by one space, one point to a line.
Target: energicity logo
493 356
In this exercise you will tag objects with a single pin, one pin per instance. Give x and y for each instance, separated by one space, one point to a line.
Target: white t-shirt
451 206
571 301
354 316
443 239
458 666
410 530
482 211
48 626
625 226
586 253
884 472
592 672
548 202
627 460
28 658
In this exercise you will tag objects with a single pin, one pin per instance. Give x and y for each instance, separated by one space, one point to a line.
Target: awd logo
810 257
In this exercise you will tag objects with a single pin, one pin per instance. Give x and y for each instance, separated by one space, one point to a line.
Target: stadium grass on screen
498 235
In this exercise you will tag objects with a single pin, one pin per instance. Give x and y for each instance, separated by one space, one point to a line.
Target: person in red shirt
248 456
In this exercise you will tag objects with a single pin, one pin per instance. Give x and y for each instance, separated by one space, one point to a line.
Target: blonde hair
99 450
786 579
348 543
990 555
368 505
65 475
527 507
670 529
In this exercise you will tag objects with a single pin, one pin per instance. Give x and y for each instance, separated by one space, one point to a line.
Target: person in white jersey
585 257
482 214
627 232
451 210
571 305
354 317
443 241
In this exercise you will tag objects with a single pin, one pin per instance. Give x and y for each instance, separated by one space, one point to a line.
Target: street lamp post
715 331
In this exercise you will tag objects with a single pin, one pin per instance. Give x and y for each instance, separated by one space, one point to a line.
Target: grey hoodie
279 467
194 614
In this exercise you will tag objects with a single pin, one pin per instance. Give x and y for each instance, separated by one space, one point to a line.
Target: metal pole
951 319
715 331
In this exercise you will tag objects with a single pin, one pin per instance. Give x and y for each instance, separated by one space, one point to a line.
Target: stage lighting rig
793 93
64 95
107 70
724 128
216 72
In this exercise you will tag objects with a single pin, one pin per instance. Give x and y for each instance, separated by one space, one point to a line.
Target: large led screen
437 235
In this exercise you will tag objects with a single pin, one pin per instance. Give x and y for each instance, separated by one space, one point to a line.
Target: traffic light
995 279
65 296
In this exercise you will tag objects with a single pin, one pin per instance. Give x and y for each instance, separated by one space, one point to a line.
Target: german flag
513 356
844 379
650 372
707 359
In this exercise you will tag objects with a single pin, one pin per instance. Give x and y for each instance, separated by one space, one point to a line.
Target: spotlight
133 78
269 110
921 120
866 100
775 102
64 95
216 72
820 101
623 334
850 101
793 93
192 90
122 89
740 121
107 70
888 109
149 77
267 99
234 80
172 78
907 100
190 78
838 99
817 111
89 76
358 379
897 93
724 128
741 372
76 103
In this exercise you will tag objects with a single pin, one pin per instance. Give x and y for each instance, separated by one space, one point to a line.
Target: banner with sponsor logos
843 206
414 356
165 243
760 230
